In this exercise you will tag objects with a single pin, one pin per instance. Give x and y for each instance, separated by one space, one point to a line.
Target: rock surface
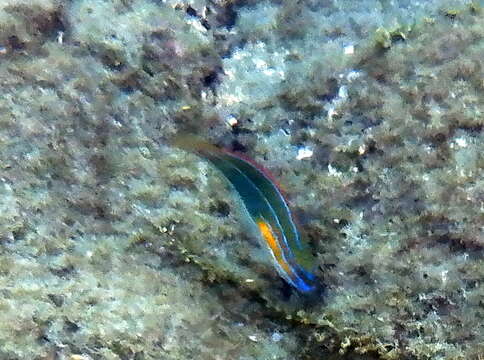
115 245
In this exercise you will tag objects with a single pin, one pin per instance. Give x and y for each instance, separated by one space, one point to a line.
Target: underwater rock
115 245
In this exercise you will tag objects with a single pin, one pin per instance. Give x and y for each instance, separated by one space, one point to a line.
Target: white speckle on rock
353 74
268 72
79 357
333 171
331 112
230 99
197 25
303 153
349 50
238 55
60 37
443 275
343 92
276 337
230 74
461 142
231 120
260 64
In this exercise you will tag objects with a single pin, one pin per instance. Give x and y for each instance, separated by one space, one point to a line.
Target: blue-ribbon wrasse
267 208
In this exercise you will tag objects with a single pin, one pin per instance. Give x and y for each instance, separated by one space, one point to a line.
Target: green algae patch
385 37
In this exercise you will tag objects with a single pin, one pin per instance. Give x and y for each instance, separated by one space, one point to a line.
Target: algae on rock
113 245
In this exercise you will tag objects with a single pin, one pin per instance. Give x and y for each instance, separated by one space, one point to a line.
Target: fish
266 207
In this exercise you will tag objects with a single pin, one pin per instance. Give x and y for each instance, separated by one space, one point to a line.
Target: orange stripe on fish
273 244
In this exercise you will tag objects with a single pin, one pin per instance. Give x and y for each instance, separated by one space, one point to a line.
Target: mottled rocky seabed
115 245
